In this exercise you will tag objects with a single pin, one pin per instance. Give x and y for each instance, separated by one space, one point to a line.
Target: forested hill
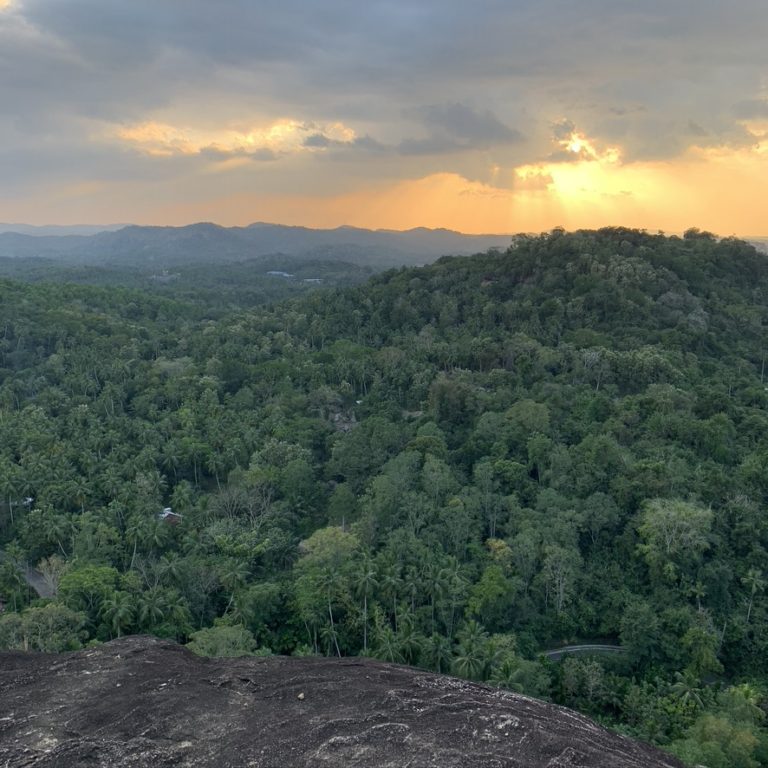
454 466
206 243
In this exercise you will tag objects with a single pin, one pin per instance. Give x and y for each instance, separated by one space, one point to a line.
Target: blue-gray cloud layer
426 84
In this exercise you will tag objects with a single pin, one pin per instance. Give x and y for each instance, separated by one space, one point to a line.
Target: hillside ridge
205 242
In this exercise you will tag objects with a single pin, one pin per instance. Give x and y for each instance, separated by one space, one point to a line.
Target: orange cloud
283 136
671 196
720 189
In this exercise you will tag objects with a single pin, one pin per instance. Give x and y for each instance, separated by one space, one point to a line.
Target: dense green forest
455 466
215 287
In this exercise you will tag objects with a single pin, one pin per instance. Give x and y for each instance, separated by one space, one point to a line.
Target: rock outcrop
145 702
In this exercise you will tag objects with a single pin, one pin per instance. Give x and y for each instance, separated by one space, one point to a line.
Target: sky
485 116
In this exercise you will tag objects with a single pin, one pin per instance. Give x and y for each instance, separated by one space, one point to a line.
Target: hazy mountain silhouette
204 242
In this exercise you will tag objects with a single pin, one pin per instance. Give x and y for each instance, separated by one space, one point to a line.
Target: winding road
34 579
556 654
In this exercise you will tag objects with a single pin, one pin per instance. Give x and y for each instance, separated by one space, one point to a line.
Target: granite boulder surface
140 701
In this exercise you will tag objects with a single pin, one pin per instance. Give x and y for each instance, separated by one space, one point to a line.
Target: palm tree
436 581
438 652
387 646
391 583
119 611
365 583
56 528
331 637
12 583
151 608
177 612
327 581
78 489
472 653
10 484
170 567
412 584
755 582
215 463
456 586
743 702
687 689
410 642
111 480
507 675
233 575
170 457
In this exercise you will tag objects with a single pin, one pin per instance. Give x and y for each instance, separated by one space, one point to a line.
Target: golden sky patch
721 189
282 136
670 196
535 128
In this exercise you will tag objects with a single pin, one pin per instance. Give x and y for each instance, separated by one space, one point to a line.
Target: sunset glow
227 117
284 136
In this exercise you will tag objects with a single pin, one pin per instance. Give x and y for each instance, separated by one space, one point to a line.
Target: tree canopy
455 466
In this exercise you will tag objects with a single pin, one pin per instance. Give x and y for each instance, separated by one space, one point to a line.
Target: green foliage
492 599
639 632
716 743
86 589
455 466
223 640
50 628
675 534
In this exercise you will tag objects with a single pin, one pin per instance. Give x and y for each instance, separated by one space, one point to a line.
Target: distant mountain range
60 229
164 247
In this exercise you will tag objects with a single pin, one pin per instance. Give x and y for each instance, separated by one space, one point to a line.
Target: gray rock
145 702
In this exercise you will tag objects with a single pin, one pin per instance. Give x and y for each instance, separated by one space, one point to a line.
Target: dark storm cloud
456 128
467 125
451 128
368 46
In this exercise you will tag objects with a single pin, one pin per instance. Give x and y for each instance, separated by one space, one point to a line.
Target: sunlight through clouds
279 138
577 170
533 128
